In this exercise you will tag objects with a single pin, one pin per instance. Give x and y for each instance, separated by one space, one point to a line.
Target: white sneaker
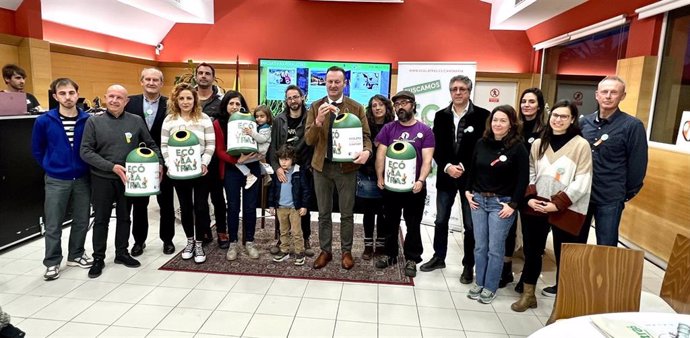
52 272
232 252
199 254
251 179
267 169
83 262
252 251
188 251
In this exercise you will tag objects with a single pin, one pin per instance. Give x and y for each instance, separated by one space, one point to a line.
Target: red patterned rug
363 271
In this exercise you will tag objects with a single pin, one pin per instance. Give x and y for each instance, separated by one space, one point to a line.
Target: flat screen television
362 80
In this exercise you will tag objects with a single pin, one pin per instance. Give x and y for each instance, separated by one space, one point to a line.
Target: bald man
107 140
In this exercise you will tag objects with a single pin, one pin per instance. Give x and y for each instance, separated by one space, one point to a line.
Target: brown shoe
348 262
323 259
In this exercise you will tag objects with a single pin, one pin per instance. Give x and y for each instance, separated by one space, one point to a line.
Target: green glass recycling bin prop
143 172
184 155
400 167
348 140
238 142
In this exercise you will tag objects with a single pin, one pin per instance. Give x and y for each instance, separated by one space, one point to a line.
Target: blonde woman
184 112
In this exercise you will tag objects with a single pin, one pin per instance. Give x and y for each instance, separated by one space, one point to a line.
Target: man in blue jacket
56 139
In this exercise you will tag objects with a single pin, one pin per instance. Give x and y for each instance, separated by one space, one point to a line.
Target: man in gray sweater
107 140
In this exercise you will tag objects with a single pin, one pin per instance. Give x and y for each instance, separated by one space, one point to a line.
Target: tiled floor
146 302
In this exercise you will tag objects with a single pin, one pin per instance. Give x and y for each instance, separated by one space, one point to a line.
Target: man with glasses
619 159
457 129
288 128
330 175
409 204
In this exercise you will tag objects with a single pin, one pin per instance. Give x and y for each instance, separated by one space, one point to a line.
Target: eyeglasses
560 116
461 90
294 98
401 103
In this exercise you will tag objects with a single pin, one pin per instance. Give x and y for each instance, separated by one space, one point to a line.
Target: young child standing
262 136
289 201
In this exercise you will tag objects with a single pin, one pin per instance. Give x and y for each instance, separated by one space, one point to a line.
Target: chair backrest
597 279
675 289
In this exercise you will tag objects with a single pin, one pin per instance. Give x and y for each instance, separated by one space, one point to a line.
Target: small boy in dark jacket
288 202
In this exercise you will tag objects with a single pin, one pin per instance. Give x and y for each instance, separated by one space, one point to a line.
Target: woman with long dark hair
496 184
557 197
379 111
235 181
184 113
532 107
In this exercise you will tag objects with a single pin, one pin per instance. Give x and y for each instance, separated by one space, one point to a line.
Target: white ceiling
143 21
149 21
506 15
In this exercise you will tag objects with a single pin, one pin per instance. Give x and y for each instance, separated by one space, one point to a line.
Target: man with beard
55 143
209 100
152 107
457 129
15 78
330 175
288 128
409 204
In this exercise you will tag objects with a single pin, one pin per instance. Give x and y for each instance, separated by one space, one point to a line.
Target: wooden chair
597 279
675 289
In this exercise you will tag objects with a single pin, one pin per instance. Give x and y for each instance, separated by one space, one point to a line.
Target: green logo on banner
424 87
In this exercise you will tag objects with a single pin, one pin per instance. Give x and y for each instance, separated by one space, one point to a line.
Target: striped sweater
563 177
203 129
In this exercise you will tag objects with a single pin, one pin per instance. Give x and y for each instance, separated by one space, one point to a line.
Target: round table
584 327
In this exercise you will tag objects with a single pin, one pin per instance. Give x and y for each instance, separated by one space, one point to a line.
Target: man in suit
457 129
152 107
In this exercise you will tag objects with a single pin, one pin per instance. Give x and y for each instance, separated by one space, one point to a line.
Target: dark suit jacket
136 107
444 131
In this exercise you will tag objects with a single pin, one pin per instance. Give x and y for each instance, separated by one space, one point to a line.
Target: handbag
366 187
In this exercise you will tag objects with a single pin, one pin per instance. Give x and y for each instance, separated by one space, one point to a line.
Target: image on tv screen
362 80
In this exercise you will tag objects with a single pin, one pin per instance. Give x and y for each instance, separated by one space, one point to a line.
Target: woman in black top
532 116
379 111
497 181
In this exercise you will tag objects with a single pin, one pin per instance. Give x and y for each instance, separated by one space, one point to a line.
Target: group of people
557 170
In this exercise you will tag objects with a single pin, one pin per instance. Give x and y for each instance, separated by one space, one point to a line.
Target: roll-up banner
429 81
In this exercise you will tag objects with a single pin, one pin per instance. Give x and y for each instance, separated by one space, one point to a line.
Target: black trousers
411 207
105 192
535 230
510 240
140 218
193 197
373 217
216 188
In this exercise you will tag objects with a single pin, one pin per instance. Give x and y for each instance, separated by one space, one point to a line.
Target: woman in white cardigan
558 194
184 112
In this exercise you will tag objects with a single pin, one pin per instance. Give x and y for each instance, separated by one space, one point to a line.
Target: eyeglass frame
400 103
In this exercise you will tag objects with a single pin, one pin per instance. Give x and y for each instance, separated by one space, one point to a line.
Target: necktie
329 150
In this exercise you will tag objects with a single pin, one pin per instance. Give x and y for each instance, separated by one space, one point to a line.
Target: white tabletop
583 326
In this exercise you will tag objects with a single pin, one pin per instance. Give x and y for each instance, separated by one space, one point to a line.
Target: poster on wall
429 82
683 138
490 95
581 94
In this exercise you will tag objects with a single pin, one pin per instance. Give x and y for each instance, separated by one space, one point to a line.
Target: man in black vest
152 107
457 129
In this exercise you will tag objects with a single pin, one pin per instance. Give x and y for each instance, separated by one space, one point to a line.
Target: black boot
368 248
379 245
520 286
506 275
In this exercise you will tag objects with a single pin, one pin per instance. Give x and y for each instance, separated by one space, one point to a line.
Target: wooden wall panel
94 75
8 54
660 211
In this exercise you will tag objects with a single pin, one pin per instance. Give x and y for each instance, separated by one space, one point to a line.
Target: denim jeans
607 218
444 204
490 232
234 189
58 194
